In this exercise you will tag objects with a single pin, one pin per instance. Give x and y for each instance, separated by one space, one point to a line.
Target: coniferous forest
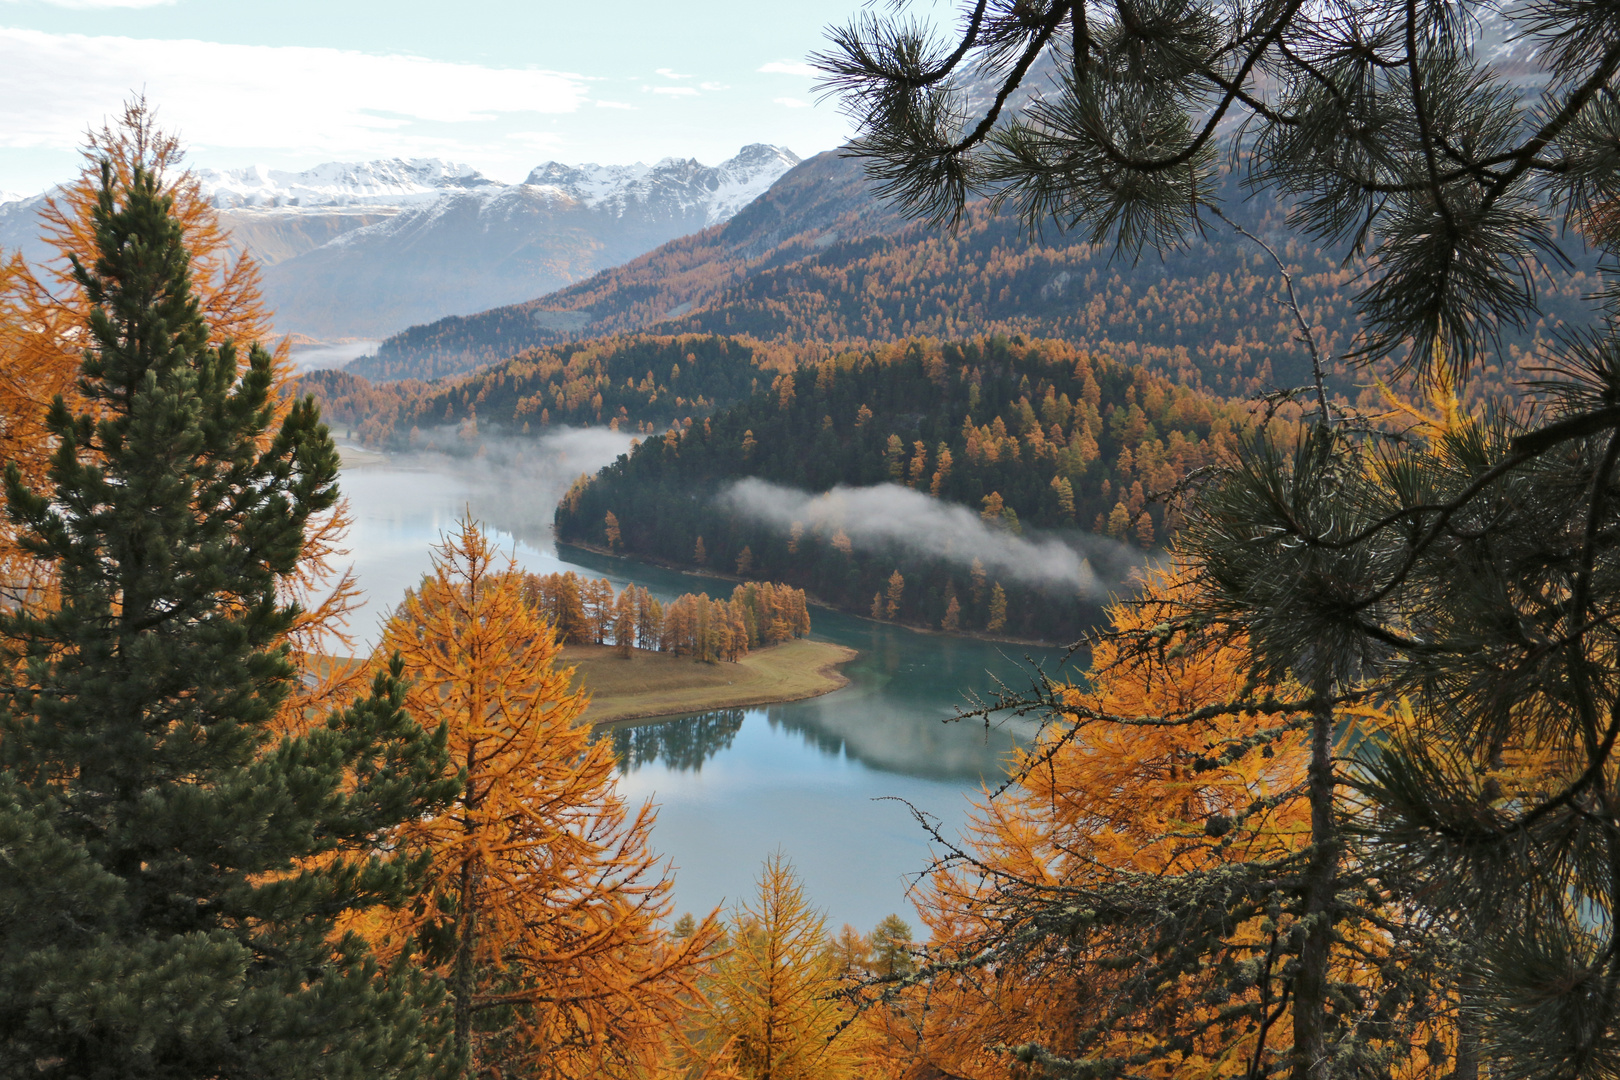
1031 435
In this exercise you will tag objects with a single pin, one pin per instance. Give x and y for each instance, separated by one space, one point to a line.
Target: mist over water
406 505
889 515
320 357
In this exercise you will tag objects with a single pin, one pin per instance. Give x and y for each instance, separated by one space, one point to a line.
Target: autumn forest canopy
1262 352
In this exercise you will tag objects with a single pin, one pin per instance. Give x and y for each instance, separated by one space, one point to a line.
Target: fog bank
888 515
404 504
318 357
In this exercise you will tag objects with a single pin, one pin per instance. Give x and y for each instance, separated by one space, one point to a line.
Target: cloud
85 5
713 86
543 141
791 103
679 91
612 105
669 73
296 98
887 516
788 67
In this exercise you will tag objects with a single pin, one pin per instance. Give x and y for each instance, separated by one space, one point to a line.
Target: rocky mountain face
362 250
454 242
821 210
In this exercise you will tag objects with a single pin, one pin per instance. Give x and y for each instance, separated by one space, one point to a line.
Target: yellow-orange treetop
546 906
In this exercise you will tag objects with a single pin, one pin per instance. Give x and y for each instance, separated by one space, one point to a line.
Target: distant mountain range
819 260
364 249
820 211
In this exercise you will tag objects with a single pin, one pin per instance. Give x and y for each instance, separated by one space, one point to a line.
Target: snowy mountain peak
678 184
674 186
746 177
393 183
589 184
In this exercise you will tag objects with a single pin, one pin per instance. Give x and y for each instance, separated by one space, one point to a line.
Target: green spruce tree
171 873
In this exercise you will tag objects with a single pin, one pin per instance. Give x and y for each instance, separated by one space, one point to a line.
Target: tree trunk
462 984
1310 1012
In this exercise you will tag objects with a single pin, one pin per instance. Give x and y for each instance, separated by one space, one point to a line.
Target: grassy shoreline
810 597
651 684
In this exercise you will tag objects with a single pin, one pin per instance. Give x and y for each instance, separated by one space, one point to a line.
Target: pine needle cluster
1394 130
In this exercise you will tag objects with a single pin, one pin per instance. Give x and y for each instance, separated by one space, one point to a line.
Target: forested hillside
1040 435
640 382
817 260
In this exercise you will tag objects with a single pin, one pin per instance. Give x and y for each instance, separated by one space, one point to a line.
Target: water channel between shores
831 781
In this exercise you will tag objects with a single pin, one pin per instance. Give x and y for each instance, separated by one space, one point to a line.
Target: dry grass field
657 684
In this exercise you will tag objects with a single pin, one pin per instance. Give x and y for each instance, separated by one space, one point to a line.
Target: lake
833 781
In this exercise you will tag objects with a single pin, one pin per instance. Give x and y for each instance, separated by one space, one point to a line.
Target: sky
502 85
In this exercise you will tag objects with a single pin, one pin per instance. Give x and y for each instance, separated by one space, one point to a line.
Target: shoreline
811 598
652 685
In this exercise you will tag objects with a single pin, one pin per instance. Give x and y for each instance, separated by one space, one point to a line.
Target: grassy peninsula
651 684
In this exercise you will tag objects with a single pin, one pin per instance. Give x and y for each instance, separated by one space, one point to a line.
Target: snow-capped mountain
679 186
366 250
393 183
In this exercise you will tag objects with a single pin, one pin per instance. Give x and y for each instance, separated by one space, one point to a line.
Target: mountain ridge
363 249
821 202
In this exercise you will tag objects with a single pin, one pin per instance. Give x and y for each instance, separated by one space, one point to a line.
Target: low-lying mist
319 357
405 503
510 484
888 515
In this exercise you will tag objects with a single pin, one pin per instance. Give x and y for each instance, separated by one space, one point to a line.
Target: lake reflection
831 781
683 744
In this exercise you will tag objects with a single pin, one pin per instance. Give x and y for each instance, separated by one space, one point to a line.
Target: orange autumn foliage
42 310
544 906
771 1010
1099 811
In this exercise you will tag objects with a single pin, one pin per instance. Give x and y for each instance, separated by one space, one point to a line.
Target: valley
1101 569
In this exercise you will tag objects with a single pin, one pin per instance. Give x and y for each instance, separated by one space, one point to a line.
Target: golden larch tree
1101 810
998 609
770 997
545 909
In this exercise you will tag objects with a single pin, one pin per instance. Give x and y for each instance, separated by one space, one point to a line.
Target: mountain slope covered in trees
639 382
818 259
1038 435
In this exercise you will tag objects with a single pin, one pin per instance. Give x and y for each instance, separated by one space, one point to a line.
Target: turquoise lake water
833 781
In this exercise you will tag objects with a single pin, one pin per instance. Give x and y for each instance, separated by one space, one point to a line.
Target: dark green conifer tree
171 873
